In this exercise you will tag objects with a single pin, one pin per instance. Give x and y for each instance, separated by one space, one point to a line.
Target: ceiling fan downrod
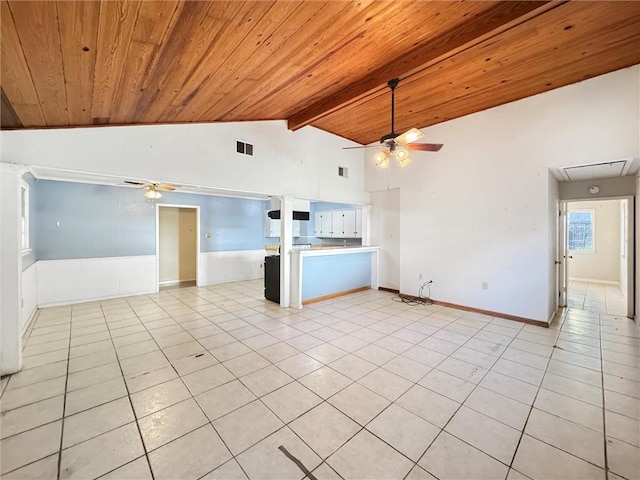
392 84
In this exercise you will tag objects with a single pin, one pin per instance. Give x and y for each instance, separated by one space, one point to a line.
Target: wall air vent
343 172
244 148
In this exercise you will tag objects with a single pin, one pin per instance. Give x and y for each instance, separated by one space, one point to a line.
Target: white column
286 245
366 225
10 269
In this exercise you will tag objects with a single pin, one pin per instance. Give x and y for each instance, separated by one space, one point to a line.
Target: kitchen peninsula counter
325 272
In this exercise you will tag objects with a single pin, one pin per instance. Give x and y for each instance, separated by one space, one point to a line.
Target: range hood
300 209
297 215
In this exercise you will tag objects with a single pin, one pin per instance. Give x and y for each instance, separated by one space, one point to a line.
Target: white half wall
385 232
604 263
223 267
477 211
81 280
302 164
29 295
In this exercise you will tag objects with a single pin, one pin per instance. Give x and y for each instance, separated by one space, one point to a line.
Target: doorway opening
597 243
177 245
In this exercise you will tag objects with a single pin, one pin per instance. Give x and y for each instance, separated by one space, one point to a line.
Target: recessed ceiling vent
617 168
244 148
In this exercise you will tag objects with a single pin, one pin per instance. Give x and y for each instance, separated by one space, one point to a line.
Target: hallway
596 297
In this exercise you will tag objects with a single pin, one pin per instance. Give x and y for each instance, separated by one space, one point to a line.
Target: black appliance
272 278
297 215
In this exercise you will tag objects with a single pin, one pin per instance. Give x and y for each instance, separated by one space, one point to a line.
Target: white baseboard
593 280
62 282
176 282
233 266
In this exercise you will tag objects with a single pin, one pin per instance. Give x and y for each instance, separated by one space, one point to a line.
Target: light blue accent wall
30 258
327 274
75 220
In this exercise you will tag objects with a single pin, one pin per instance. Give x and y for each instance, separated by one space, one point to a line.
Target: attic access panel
617 168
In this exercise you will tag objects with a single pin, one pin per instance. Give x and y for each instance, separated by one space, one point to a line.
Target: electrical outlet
261 265
419 276
437 284
485 286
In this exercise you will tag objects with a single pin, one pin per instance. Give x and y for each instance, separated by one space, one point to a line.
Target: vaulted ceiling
323 63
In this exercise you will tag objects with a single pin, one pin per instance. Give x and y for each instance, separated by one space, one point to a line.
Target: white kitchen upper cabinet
271 227
349 221
337 224
317 224
326 224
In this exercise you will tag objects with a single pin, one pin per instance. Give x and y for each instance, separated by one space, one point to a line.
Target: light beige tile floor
596 297
209 382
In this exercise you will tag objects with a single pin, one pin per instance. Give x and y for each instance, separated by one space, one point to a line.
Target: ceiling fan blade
409 136
136 184
164 186
363 146
425 147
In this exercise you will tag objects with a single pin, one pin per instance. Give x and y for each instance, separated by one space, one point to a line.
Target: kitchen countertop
318 246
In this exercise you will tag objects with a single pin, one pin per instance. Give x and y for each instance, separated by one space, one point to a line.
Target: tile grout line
190 393
524 426
135 415
64 401
604 416
476 385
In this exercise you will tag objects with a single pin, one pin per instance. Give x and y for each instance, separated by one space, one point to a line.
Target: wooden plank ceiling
324 63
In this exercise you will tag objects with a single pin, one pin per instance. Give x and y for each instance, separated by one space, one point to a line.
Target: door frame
630 254
561 255
175 205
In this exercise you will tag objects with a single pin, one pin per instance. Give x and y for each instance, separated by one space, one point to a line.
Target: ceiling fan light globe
402 153
152 194
381 159
405 161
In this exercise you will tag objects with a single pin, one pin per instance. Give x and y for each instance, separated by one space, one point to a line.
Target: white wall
385 232
604 264
85 279
478 210
230 266
637 249
553 206
302 164
10 270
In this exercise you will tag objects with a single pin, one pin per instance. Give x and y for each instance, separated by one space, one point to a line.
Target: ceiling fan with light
398 145
152 190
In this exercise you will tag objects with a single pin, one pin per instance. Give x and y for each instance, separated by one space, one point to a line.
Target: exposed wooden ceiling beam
8 116
494 21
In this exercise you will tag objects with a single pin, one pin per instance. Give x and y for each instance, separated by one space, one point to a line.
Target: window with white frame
24 216
582 231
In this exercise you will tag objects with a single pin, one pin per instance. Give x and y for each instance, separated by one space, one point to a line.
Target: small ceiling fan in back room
152 190
398 145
